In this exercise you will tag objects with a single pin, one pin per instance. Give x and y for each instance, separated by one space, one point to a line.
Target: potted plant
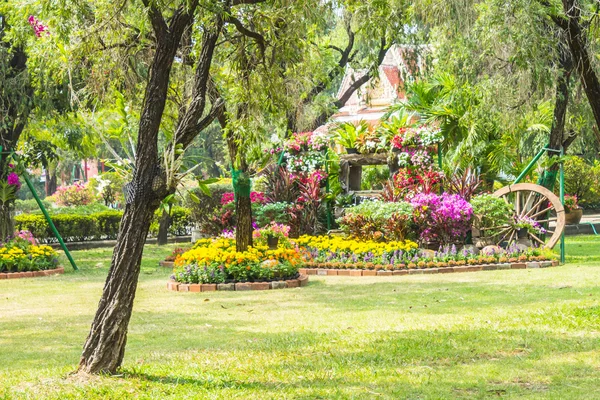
272 233
573 212
347 133
525 224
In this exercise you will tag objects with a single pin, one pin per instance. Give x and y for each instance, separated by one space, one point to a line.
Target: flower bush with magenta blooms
274 229
441 219
77 194
255 197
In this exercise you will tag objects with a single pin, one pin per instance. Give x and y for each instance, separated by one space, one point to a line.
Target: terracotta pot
272 241
573 217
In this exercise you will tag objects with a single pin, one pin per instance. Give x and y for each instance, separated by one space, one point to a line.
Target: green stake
562 201
50 223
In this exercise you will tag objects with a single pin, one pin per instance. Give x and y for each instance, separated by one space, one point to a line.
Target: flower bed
216 261
339 253
22 253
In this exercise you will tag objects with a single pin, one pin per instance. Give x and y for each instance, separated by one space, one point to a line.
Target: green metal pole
530 165
47 216
439 156
562 201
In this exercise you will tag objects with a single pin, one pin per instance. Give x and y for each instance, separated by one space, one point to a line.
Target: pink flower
38 27
227 198
13 180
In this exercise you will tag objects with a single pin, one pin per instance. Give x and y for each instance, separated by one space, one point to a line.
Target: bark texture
104 348
163 228
578 44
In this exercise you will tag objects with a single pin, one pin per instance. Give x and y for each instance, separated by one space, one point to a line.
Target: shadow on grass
384 360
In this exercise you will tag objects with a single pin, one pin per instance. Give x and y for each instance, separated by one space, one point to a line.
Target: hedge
97 226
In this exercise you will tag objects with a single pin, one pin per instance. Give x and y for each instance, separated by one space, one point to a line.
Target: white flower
275 138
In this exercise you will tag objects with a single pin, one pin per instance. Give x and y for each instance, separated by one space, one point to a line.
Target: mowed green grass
497 334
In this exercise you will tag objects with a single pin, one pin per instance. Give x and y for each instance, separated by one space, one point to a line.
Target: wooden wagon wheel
535 202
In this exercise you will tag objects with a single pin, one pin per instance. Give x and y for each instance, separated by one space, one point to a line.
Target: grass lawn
507 334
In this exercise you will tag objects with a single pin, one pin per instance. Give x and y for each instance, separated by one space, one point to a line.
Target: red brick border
420 271
301 281
166 264
31 274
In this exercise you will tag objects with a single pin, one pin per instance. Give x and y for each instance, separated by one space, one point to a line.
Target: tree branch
383 48
156 18
245 31
187 130
239 2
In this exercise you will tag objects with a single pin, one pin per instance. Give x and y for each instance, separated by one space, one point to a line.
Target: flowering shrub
274 229
255 197
77 194
306 141
38 27
441 219
377 220
219 259
305 151
22 253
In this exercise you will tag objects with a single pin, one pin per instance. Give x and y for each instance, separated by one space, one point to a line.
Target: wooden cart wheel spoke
547 220
502 231
541 212
528 199
540 241
534 208
535 202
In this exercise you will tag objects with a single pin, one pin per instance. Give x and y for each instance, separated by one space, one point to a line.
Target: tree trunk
105 345
578 42
557 132
51 183
7 226
163 228
243 232
243 203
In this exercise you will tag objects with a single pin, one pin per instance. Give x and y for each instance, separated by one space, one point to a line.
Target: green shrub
490 211
378 220
272 212
73 228
108 223
201 211
180 221
579 178
29 206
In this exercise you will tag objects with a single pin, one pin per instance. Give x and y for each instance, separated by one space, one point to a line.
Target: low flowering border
324 269
301 281
31 274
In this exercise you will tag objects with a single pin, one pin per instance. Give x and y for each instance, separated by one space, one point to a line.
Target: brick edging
166 264
31 274
421 271
301 281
